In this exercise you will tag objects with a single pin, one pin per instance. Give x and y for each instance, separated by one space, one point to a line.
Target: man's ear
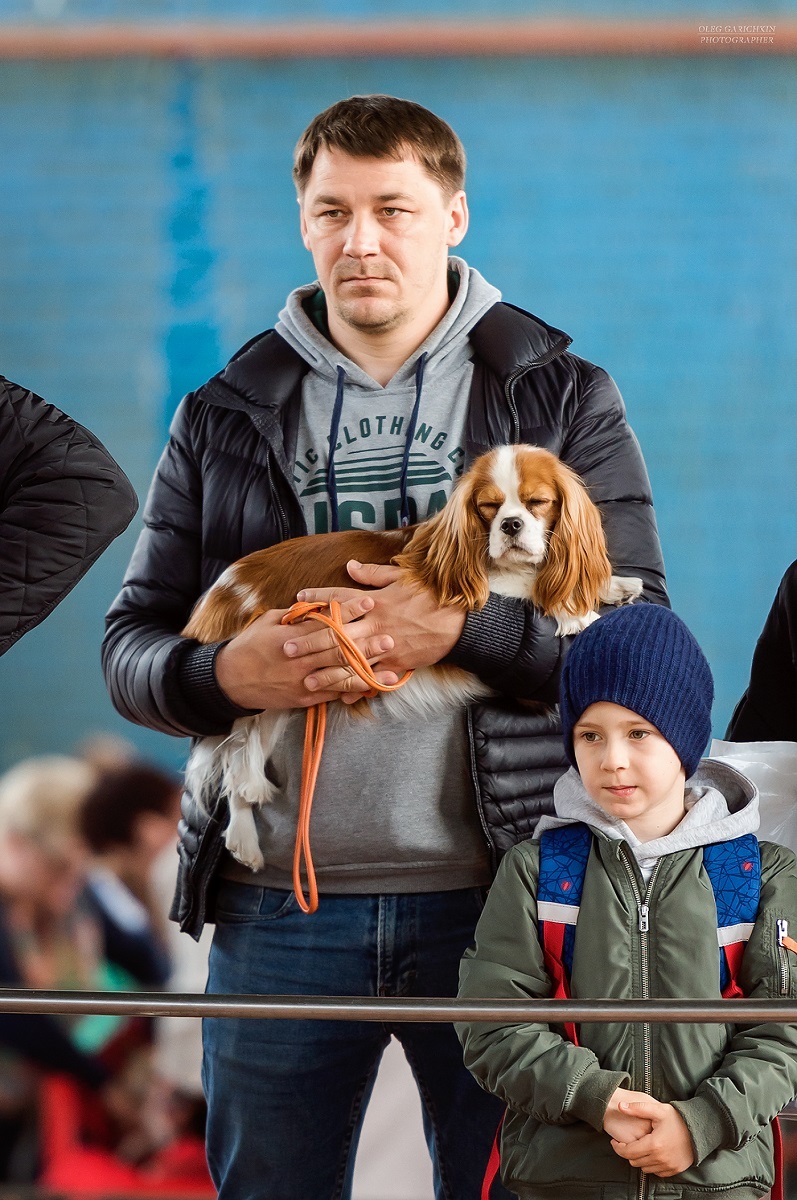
458 218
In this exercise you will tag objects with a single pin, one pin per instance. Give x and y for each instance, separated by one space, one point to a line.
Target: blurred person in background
128 819
63 500
46 939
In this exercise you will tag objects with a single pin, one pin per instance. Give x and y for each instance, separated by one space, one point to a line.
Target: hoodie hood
721 804
447 342
402 442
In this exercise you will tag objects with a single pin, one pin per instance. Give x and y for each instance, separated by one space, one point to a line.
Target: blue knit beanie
644 658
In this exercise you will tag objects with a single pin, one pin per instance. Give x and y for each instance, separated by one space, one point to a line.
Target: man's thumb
374 574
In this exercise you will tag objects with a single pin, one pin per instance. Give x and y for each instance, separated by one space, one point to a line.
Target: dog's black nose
511 526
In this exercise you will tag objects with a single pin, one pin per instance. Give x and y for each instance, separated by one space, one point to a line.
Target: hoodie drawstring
405 462
332 486
334 425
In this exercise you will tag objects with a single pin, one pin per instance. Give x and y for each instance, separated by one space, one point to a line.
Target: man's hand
404 617
667 1150
255 671
621 1126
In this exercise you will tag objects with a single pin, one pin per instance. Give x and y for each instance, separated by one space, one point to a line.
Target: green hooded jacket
727 1081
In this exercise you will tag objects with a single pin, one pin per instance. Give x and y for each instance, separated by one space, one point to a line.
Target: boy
633 1111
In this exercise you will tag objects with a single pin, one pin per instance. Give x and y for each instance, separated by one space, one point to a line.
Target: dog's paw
566 626
241 839
622 589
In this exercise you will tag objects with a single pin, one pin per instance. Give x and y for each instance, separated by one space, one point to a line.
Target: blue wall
148 228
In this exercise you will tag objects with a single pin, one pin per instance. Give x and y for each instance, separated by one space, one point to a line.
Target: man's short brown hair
383 127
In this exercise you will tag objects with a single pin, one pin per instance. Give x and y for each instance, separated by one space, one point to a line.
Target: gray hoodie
394 808
721 804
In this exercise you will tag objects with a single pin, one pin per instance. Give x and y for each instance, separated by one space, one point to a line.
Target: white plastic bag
772 766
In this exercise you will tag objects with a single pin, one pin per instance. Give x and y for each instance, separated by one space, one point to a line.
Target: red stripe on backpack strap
777 1188
733 957
493 1163
553 937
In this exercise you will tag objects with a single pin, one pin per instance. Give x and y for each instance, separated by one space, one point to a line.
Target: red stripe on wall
410 39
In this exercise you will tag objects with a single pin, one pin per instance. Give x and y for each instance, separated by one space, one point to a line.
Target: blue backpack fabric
733 868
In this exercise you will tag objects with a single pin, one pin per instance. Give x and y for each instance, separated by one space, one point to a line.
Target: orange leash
314 731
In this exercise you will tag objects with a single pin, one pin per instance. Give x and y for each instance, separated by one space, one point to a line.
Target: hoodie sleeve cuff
593 1091
196 680
709 1127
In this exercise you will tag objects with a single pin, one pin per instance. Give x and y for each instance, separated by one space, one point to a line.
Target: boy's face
629 769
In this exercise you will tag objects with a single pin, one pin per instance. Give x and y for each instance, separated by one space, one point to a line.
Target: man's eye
331 213
391 212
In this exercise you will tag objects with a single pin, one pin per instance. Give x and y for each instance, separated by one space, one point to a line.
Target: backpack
734 871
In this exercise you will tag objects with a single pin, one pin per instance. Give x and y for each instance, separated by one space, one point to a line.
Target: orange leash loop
314 731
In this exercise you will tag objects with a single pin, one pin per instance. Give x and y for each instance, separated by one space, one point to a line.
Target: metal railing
397 1009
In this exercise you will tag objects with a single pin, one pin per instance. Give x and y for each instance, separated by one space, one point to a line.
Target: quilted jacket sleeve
510 644
142 649
63 500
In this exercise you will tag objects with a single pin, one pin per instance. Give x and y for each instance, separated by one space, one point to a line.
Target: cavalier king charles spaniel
519 522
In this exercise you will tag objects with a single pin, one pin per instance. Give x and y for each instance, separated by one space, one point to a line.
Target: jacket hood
721 804
447 342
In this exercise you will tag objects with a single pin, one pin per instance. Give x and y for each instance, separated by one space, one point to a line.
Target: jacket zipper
509 385
643 925
783 931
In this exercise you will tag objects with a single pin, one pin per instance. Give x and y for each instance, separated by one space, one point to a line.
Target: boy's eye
638 734
588 735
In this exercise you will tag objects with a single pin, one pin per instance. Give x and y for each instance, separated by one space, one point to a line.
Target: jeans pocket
237 903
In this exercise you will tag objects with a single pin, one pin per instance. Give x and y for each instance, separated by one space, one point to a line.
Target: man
381 380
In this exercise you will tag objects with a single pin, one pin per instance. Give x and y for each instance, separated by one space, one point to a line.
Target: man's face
379 232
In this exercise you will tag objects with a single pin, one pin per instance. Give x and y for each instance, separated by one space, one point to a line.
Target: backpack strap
564 853
734 871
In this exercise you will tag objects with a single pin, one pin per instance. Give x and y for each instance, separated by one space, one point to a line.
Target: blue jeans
286 1099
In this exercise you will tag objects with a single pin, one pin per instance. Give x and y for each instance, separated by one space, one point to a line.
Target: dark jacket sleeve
143 652
510 644
40 1039
63 500
767 712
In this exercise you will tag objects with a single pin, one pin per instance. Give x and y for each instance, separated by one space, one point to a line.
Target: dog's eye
487 511
532 504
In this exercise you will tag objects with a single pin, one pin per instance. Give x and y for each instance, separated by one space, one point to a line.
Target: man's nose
511 526
362 236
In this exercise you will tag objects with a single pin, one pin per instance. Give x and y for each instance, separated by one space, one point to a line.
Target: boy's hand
622 1126
667 1150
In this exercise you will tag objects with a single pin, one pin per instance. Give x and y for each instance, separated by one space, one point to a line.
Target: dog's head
520 511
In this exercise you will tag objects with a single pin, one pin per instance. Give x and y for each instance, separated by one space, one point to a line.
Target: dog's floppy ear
448 554
576 568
